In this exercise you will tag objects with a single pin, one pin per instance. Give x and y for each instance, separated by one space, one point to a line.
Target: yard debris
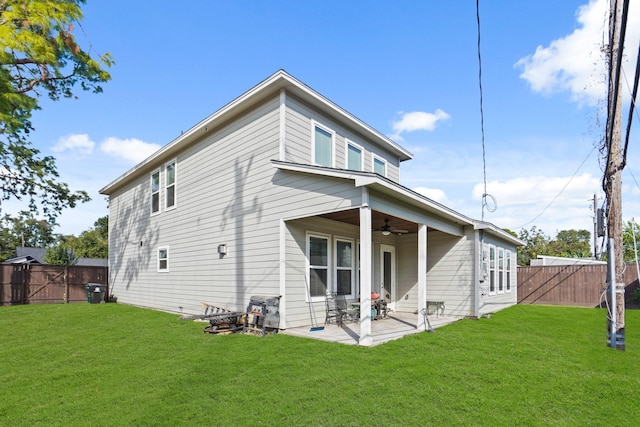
261 317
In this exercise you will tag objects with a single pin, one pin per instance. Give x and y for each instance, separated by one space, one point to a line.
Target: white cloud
129 149
75 143
550 203
433 194
418 120
575 63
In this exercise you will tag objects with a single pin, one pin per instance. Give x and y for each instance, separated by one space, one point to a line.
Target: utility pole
613 175
595 226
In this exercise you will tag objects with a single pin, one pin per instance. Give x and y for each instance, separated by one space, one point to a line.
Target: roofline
483 225
371 179
271 85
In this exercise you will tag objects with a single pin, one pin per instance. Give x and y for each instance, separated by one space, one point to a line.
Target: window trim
346 154
158 192
375 157
159 259
508 271
173 162
501 270
492 270
327 237
315 125
336 268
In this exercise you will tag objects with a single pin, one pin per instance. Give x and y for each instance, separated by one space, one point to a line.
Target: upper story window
155 192
322 146
354 156
170 184
379 165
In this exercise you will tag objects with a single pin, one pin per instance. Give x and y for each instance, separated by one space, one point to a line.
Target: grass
111 365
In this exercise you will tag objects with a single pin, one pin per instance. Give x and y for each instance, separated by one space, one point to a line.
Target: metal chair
337 309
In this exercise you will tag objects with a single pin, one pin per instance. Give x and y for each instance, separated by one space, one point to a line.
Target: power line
563 188
485 195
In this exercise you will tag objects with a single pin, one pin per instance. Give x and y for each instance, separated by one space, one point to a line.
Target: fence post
66 284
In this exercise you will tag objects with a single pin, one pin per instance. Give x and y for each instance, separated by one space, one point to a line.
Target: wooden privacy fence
579 285
42 284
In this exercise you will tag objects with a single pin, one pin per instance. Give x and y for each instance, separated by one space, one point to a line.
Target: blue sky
407 68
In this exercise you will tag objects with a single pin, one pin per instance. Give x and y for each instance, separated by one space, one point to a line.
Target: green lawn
110 364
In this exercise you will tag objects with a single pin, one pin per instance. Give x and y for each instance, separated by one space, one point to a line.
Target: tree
39 56
59 255
24 230
571 243
536 244
627 241
92 243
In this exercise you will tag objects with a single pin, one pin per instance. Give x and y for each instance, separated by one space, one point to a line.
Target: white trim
159 192
501 271
375 157
162 248
308 235
508 271
282 125
282 262
394 282
175 184
314 125
348 143
351 241
366 261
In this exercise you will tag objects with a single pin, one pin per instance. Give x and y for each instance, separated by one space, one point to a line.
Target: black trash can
95 292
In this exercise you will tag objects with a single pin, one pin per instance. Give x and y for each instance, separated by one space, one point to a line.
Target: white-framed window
354 156
508 270
155 191
492 270
485 265
170 184
344 267
500 270
318 256
379 165
323 146
163 259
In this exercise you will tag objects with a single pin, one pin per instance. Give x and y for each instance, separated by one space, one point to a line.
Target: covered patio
393 327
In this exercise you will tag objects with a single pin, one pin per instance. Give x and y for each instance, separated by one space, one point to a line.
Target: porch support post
422 275
366 268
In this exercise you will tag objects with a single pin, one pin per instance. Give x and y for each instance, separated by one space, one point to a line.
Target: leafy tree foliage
39 56
627 241
568 243
92 243
24 230
59 255
571 243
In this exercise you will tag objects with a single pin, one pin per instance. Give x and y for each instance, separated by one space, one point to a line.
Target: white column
282 133
366 270
422 274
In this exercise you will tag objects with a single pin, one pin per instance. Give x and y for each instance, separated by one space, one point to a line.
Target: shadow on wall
237 211
134 237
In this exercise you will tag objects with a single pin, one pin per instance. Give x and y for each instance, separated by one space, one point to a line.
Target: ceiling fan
386 229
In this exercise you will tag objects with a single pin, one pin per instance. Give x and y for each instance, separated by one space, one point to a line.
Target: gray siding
223 183
450 272
299 133
491 303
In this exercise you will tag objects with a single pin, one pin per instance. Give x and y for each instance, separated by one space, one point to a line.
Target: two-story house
282 192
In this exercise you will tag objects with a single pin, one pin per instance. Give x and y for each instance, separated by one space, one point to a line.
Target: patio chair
336 308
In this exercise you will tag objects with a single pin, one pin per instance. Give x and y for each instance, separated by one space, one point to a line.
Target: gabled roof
262 91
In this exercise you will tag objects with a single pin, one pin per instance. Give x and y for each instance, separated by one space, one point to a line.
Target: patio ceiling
352 216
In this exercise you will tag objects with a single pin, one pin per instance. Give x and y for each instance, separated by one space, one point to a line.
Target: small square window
163 259
354 157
